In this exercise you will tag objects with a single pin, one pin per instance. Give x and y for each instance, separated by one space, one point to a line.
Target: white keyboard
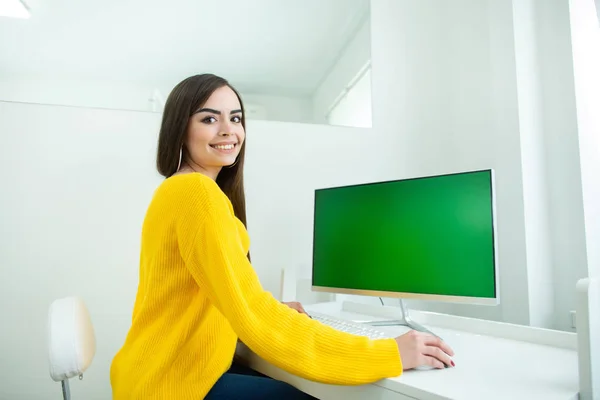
355 328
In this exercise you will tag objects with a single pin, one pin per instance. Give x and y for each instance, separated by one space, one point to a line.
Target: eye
209 120
237 119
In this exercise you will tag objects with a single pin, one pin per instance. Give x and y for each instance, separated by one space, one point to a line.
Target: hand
296 306
418 348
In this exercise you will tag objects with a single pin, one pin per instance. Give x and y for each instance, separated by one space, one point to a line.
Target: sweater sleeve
214 254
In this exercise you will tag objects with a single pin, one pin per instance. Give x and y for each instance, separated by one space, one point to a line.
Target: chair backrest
71 339
588 334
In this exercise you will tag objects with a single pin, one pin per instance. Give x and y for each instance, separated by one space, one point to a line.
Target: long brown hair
187 97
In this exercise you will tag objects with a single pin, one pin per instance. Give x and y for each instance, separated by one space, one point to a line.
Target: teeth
224 146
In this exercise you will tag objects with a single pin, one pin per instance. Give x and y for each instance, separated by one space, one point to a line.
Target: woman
198 292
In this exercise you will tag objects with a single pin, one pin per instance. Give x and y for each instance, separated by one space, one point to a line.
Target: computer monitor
430 238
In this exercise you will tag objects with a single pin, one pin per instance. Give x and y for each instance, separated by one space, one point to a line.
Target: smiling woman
198 294
203 130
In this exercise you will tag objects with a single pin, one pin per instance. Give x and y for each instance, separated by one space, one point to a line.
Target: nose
225 128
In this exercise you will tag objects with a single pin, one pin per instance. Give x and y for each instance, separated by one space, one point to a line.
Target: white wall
533 163
550 146
128 96
444 85
585 33
354 108
76 184
563 171
279 108
74 92
476 84
355 56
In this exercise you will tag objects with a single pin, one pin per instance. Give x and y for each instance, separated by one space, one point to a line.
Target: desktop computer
430 238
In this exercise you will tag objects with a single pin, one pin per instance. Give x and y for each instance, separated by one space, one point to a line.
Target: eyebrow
213 111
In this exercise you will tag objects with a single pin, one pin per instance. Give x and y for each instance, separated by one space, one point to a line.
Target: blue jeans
243 383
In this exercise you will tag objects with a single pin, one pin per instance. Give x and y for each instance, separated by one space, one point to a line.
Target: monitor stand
405 321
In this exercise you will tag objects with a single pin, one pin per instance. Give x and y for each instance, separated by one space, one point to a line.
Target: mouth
224 147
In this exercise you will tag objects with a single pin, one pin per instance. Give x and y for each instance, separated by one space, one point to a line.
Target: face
215 133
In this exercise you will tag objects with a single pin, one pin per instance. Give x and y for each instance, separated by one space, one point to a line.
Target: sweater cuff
392 362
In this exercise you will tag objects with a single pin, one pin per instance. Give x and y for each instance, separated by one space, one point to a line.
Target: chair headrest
71 339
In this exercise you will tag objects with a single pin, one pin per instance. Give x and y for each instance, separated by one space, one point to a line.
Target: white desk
493 361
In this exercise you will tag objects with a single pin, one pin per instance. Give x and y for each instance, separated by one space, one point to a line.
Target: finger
297 306
433 362
301 309
438 354
435 341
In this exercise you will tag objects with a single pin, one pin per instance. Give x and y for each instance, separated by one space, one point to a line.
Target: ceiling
264 46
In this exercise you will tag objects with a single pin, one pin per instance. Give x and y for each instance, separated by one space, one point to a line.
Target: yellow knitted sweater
198 294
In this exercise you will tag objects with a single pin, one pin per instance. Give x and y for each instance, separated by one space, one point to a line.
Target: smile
224 147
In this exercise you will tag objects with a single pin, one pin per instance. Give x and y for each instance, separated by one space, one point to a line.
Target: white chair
588 333
71 341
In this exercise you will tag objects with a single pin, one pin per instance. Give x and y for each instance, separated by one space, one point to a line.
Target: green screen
431 236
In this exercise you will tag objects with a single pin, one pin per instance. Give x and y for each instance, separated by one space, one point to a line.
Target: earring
180 155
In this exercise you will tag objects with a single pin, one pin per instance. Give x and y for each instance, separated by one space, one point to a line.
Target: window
353 107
